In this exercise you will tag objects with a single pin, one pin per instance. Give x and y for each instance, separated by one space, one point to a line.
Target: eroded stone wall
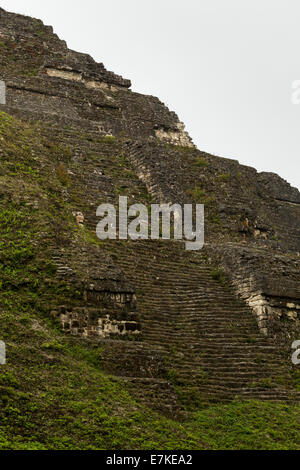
268 282
74 76
176 136
92 323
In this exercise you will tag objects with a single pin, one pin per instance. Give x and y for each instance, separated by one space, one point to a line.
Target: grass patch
200 196
200 162
248 425
224 177
218 275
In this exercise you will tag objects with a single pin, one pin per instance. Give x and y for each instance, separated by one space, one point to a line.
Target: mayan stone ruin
216 323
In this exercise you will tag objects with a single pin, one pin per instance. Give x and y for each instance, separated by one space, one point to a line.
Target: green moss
200 196
53 346
109 139
63 175
218 275
31 72
248 425
224 177
251 340
296 379
214 218
200 162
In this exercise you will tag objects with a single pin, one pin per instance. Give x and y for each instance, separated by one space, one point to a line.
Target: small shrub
199 195
215 219
267 383
201 162
109 139
62 174
251 340
53 346
224 177
173 376
218 275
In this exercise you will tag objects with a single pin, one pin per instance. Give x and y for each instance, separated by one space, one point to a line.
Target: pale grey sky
225 66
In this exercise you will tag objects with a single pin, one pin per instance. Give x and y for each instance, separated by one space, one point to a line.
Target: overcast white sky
225 66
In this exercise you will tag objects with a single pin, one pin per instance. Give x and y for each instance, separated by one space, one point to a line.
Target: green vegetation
201 162
18 61
214 219
224 177
31 72
296 379
249 425
200 196
109 139
218 275
63 175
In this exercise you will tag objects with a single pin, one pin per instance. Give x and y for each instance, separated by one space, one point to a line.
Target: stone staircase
208 338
